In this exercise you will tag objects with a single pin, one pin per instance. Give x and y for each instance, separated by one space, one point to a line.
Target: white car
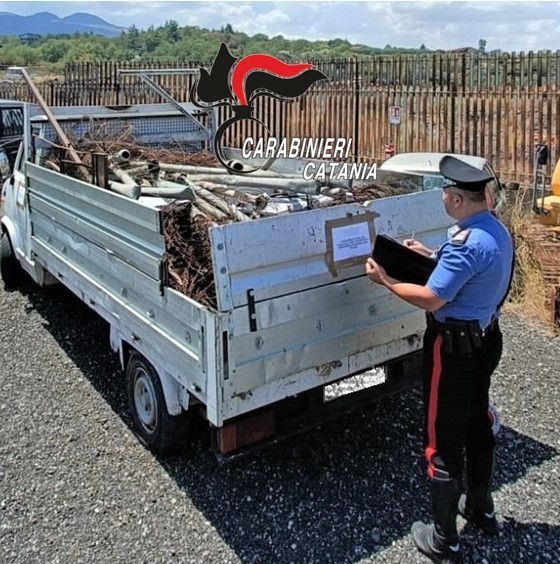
13 74
426 165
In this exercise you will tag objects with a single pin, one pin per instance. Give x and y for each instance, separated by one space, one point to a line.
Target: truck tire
10 269
155 428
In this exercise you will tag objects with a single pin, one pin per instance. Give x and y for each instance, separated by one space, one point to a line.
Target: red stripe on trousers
433 404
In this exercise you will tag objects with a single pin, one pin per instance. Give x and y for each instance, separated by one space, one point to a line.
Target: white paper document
350 241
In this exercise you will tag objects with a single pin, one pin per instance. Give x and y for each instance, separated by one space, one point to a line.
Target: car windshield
408 183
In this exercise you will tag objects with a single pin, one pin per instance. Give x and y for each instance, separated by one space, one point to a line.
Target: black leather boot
440 541
477 506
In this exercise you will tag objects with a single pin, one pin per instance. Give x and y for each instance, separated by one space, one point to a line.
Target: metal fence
496 106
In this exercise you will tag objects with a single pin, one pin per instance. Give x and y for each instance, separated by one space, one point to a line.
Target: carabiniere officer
462 347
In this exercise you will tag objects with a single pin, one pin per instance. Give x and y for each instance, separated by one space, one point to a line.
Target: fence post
356 110
453 94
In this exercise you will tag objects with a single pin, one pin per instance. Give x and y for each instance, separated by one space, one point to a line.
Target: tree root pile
188 253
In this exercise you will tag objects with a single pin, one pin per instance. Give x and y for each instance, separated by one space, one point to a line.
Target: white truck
295 311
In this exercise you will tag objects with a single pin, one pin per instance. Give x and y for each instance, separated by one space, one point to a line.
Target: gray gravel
75 485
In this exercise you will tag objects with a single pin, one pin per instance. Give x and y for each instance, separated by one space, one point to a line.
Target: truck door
17 206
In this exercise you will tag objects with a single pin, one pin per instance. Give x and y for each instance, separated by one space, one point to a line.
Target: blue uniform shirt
473 275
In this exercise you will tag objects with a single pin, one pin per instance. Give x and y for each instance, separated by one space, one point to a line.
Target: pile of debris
189 266
174 174
544 244
195 193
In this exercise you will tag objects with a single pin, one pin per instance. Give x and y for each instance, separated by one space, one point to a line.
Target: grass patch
529 291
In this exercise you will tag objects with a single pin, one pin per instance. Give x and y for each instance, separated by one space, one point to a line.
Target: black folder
400 262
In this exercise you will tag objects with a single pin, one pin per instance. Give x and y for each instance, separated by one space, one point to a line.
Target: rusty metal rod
50 116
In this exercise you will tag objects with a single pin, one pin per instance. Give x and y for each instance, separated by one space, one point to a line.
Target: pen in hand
410 242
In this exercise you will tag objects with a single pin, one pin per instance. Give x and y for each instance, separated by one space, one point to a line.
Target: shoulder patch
461 236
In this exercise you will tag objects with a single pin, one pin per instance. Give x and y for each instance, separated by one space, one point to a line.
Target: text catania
326 148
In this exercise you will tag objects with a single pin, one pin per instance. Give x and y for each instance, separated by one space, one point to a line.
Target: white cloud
439 25
274 17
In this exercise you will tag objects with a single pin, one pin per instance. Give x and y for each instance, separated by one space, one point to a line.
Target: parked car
13 74
426 166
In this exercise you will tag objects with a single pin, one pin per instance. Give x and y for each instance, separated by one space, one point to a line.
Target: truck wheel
10 269
155 428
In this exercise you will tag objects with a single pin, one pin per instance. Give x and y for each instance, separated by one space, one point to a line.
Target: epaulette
461 236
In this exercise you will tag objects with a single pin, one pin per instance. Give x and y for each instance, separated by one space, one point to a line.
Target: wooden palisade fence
497 106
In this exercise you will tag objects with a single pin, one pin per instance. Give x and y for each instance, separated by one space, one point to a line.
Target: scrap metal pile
544 244
194 194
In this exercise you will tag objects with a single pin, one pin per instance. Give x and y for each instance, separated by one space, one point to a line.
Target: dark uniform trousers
456 388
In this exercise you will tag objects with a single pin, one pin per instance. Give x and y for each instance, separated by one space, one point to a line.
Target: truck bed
288 317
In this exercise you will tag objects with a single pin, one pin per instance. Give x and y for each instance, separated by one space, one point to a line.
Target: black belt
460 335
438 325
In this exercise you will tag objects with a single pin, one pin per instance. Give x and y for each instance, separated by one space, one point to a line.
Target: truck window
11 122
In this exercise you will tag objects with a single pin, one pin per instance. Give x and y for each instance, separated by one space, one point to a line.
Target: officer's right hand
417 246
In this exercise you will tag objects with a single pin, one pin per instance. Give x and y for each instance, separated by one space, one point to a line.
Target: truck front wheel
155 428
10 269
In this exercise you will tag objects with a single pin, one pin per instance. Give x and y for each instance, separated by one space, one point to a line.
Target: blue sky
510 26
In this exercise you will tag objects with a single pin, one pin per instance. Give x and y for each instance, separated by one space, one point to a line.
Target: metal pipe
291 184
192 169
129 190
122 175
123 156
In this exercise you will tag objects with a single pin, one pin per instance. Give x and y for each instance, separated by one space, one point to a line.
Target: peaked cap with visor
462 175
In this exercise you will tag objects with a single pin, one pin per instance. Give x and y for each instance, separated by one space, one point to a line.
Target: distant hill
45 23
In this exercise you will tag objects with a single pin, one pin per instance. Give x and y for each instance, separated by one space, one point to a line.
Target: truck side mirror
5 169
541 154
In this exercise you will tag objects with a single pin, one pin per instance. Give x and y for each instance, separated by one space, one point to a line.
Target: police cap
462 175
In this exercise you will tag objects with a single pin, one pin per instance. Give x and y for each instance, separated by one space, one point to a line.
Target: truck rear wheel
155 428
10 269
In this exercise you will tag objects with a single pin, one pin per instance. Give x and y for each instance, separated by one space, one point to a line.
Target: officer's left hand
375 272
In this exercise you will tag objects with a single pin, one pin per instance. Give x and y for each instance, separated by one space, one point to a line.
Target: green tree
132 39
172 32
191 44
54 50
25 55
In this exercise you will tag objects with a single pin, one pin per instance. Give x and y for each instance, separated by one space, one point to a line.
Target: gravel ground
76 486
